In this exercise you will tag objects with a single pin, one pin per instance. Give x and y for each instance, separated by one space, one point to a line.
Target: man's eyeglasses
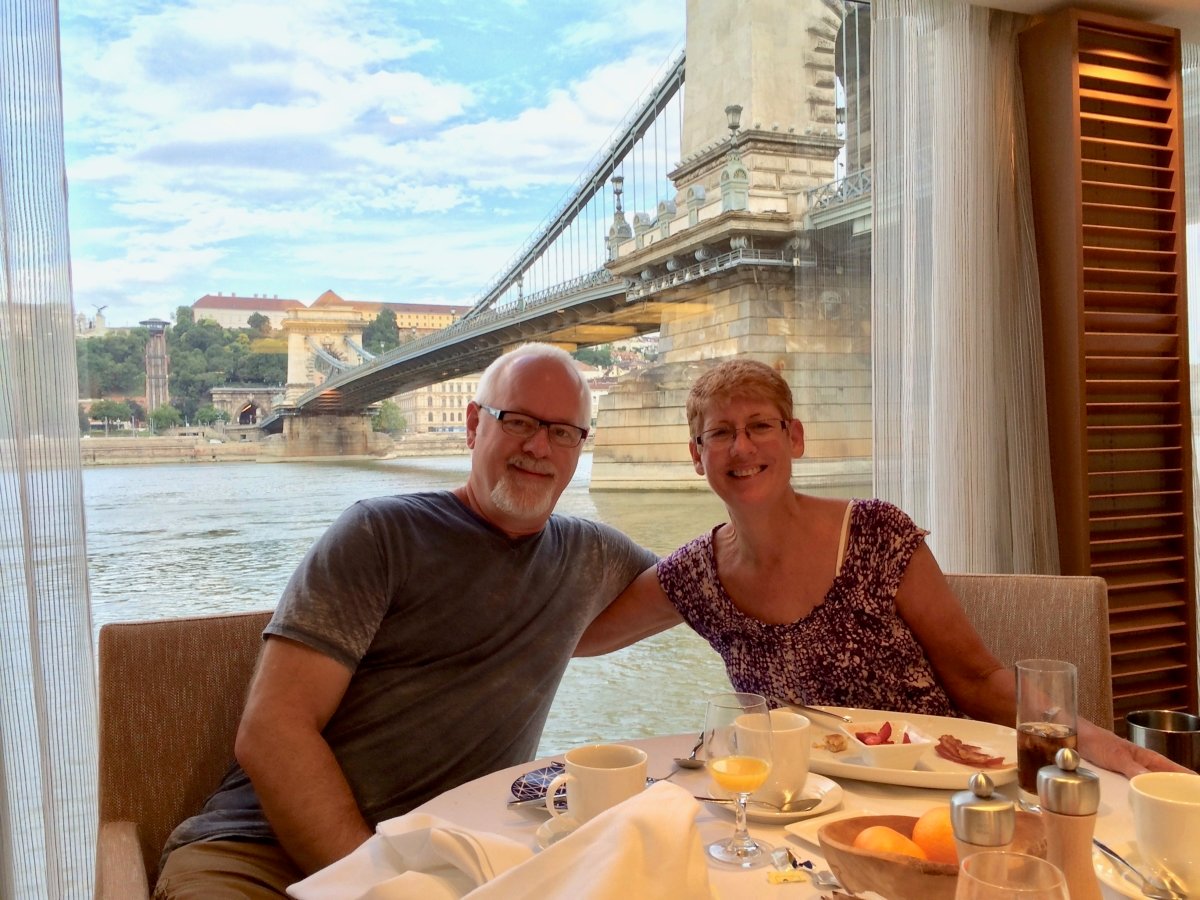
524 427
759 432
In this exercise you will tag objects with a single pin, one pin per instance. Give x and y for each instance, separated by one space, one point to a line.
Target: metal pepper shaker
1069 797
981 818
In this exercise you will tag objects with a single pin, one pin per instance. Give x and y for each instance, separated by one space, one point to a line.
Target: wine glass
1004 875
737 744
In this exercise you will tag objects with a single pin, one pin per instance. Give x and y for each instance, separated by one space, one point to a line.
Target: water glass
1004 875
1047 719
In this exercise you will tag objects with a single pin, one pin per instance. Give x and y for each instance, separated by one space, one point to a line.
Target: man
416 647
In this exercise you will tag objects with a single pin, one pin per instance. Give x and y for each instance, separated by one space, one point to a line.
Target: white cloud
234 145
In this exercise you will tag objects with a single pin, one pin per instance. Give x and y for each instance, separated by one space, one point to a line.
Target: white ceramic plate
931 771
830 793
807 829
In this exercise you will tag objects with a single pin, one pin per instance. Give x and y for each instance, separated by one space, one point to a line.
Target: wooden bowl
898 877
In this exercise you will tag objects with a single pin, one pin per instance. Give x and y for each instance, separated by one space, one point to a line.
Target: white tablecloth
480 804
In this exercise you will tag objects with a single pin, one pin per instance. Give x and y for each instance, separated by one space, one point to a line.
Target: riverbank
146 450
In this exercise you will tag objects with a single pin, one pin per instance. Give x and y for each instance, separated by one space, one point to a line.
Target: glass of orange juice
737 744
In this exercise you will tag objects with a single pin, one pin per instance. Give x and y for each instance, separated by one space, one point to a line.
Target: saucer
554 830
829 792
1113 877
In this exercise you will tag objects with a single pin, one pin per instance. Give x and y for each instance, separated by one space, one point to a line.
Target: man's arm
642 609
294 693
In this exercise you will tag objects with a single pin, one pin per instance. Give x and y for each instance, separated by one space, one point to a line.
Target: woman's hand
1101 747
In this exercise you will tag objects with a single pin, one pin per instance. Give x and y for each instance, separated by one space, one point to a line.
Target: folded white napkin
647 846
414 857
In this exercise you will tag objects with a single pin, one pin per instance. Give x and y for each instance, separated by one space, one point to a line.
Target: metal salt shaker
1069 797
981 818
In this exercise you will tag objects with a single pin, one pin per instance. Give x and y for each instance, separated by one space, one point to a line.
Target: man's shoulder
589 531
440 503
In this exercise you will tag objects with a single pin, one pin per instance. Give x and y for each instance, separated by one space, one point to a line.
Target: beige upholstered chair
171 693
1047 617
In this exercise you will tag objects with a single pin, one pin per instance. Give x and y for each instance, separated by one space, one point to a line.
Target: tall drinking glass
737 744
1047 719
1002 875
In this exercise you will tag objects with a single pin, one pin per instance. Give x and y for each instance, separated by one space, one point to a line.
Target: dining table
483 805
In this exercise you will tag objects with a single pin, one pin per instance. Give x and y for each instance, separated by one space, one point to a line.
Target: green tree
389 418
112 364
165 417
381 335
259 324
110 411
600 356
209 415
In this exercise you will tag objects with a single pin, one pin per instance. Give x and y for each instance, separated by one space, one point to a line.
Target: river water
175 540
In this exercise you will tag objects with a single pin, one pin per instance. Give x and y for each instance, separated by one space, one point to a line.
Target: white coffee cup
1166 822
790 749
598 776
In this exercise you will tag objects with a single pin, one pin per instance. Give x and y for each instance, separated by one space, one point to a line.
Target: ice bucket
1176 735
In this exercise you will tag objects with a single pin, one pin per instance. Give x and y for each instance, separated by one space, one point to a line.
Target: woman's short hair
737 379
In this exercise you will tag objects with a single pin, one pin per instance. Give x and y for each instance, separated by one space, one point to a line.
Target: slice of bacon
951 748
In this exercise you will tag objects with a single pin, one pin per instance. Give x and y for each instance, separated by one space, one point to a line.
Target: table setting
774 803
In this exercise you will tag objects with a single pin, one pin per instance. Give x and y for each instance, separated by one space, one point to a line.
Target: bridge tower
759 136
324 339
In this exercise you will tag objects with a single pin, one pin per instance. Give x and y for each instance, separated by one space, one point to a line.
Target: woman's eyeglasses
759 432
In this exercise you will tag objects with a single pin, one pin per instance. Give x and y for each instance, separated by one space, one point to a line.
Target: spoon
799 805
1151 887
690 761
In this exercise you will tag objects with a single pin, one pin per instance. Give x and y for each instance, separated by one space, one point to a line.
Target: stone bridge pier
739 265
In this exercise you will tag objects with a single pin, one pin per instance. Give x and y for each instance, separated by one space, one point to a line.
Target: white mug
597 777
1166 822
790 749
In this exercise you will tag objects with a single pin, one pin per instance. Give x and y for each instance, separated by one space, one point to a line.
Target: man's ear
697 462
472 423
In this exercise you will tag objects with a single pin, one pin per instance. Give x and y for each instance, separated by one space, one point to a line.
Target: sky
384 149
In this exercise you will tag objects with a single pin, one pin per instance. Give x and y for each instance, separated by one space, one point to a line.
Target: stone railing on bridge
739 256
855 185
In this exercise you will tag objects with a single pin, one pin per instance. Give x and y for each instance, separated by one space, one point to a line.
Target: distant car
215 441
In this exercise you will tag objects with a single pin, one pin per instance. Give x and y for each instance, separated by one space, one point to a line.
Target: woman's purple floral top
853 649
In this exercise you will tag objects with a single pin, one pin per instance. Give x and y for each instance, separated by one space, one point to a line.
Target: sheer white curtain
960 431
47 694
1191 162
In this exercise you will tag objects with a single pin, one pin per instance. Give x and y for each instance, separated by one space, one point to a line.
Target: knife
812 709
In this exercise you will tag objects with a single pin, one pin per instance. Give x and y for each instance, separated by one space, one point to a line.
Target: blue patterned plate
533 785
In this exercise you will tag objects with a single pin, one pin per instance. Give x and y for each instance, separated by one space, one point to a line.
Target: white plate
932 771
1111 874
830 793
807 829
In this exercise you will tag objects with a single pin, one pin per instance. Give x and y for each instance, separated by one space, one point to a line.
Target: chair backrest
1046 617
171 692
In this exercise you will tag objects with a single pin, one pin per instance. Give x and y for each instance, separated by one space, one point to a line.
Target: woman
816 600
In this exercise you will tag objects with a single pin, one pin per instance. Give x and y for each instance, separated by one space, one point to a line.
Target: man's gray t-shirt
457 635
